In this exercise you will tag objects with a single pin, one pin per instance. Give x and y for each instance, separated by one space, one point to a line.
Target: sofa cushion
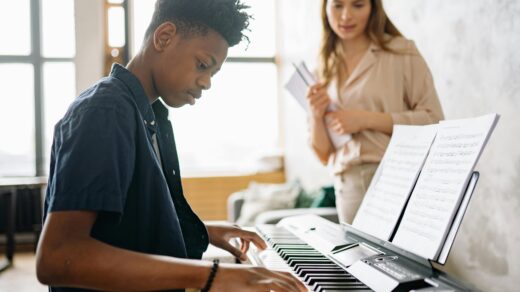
259 197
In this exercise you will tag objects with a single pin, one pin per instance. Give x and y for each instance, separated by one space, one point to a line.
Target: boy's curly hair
195 17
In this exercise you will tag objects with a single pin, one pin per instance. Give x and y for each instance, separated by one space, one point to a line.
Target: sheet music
298 85
437 195
394 179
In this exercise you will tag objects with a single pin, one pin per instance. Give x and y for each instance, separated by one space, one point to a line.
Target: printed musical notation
440 186
394 180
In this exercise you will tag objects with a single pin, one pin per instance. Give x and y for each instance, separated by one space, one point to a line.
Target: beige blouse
396 83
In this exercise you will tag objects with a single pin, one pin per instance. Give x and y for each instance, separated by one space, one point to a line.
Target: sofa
235 204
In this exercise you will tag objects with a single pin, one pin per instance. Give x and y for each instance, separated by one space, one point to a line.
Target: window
116 35
236 121
37 73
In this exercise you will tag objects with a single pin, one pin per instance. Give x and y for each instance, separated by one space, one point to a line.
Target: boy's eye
202 66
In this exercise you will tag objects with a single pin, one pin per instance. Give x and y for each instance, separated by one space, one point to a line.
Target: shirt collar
160 110
140 98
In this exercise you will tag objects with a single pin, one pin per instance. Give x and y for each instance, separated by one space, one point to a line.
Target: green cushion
305 199
325 198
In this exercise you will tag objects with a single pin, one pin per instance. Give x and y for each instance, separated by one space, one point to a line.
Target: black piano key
331 279
341 288
323 275
337 285
298 262
288 257
305 272
309 267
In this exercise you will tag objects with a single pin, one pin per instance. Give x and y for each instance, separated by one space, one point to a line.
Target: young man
115 214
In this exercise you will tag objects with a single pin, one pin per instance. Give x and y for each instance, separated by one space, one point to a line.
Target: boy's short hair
195 17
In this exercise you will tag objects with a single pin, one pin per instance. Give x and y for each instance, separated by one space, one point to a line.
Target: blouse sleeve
420 98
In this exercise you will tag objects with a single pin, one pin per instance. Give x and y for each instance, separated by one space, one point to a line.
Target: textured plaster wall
89 42
472 48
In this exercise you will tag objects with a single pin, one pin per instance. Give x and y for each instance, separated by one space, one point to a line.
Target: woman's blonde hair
378 26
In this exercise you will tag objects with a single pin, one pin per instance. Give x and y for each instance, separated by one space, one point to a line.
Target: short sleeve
421 97
94 152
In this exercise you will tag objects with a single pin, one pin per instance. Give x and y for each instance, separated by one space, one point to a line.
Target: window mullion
38 86
251 59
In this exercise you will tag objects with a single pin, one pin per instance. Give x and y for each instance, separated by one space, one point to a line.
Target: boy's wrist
211 276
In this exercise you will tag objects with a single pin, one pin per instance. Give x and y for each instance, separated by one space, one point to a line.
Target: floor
22 276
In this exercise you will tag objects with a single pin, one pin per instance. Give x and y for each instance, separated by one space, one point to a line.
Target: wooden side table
8 188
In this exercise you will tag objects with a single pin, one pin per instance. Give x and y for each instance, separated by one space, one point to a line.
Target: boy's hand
219 236
248 278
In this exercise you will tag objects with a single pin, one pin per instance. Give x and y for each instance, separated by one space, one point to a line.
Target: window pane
59 89
15 22
262 35
58 36
17 120
142 11
232 124
116 27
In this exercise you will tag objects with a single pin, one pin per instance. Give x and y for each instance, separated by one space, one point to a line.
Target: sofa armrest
234 206
272 217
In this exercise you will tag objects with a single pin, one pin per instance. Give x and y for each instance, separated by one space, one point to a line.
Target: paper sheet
394 179
439 189
299 83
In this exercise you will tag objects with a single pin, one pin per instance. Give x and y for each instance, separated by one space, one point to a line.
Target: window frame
37 60
124 52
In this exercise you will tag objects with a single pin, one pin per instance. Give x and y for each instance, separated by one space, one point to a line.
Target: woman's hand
249 278
318 100
219 236
345 121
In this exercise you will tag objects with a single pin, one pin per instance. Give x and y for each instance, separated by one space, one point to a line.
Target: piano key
329 279
328 274
309 267
290 253
345 286
338 288
305 272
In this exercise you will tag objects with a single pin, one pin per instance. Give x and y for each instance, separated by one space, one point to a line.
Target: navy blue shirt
103 160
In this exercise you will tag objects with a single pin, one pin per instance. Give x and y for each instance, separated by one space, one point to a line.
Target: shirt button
145 122
173 172
152 123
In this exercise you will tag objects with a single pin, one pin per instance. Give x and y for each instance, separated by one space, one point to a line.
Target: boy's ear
164 35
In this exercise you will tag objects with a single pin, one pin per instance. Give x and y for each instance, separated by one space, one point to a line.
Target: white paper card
439 189
299 83
394 179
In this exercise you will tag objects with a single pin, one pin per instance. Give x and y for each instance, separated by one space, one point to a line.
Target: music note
440 186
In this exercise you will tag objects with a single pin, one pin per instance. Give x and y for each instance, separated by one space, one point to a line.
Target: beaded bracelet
214 269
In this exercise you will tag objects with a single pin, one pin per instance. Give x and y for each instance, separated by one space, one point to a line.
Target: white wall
299 26
472 49
89 42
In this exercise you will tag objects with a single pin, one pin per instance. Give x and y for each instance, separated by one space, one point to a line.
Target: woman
376 79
